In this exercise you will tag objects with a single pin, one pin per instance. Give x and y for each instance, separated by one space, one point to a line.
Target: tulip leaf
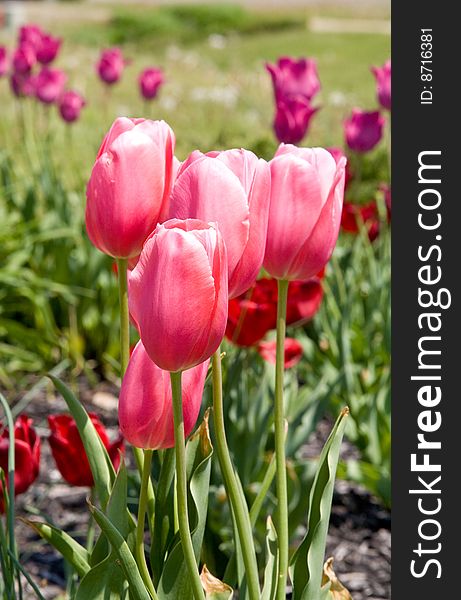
271 572
307 562
175 582
100 463
214 588
71 550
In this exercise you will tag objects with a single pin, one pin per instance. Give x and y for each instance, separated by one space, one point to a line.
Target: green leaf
105 581
308 560
271 572
71 550
175 582
214 588
100 463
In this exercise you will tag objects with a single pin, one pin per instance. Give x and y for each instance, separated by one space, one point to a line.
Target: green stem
237 501
143 497
122 264
281 475
181 482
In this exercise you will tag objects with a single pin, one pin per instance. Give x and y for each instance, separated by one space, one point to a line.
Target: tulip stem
281 476
181 483
233 489
143 497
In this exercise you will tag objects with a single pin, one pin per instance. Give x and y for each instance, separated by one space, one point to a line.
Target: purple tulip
294 77
22 84
70 106
292 118
4 63
363 130
383 84
150 81
24 58
48 49
110 66
50 85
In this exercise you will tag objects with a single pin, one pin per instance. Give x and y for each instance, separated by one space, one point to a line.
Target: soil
359 537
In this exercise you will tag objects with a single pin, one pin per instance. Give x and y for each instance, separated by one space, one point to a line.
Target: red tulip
367 214
386 190
70 106
4 62
293 352
231 188
24 58
291 77
292 118
146 410
363 130
68 450
49 85
111 65
178 293
22 85
129 185
305 211
150 81
383 84
48 48
304 300
26 453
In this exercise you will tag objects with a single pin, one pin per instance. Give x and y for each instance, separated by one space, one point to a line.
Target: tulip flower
111 65
383 84
70 105
24 58
231 188
48 48
305 211
68 450
292 118
291 77
386 190
363 130
129 185
22 85
145 409
30 34
4 62
49 85
150 81
293 352
178 293
304 300
367 214
337 154
26 453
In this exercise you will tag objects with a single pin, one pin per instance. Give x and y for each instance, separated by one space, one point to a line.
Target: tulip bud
129 185
70 106
292 118
24 58
291 77
383 84
150 81
22 85
178 293
146 410
49 84
305 211
111 65
26 454
68 450
363 130
48 49
30 34
232 189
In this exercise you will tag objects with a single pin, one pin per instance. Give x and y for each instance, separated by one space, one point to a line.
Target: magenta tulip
70 106
111 65
24 58
4 63
292 118
150 81
178 293
50 84
231 188
363 130
305 211
145 409
129 186
291 77
22 84
48 49
30 34
383 84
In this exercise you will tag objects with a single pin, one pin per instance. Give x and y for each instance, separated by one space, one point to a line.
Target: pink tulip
4 63
363 130
111 65
24 58
291 77
22 84
30 34
50 84
231 188
178 293
129 185
338 154
383 84
145 409
150 81
70 106
305 211
292 118
48 49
